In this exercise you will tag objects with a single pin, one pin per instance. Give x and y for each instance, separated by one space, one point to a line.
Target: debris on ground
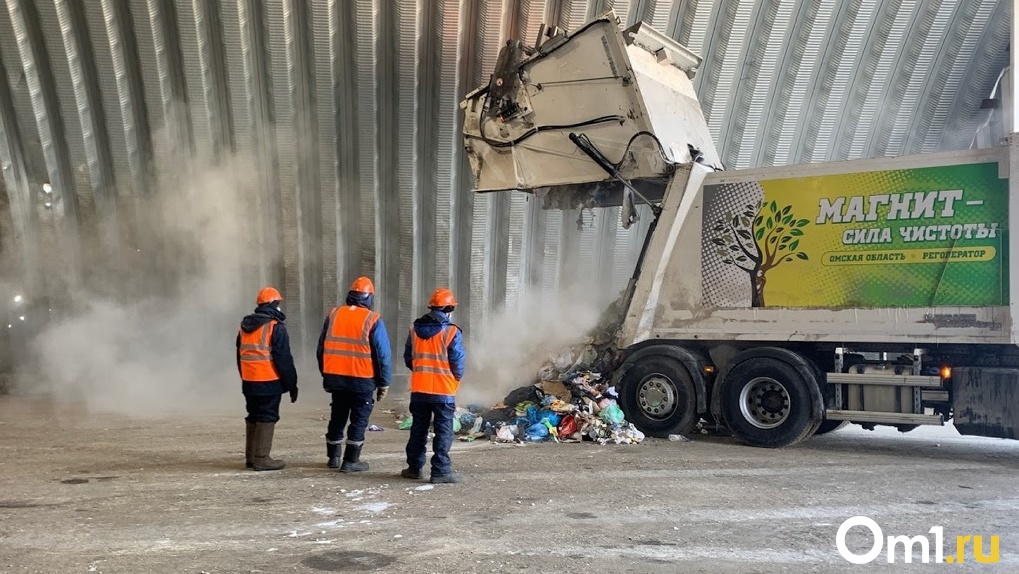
375 428
568 401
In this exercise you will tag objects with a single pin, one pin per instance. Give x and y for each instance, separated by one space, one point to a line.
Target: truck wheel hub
657 396
764 403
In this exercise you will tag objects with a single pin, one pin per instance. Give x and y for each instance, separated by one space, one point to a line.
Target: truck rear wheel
767 403
830 426
658 397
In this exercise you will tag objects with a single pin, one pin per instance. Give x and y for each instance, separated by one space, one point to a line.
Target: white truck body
779 302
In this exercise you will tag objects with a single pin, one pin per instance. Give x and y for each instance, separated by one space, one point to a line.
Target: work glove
293 395
381 393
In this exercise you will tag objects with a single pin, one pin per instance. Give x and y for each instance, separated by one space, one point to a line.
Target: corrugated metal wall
351 109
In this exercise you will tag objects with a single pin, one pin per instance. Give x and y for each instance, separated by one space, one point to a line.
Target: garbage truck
778 302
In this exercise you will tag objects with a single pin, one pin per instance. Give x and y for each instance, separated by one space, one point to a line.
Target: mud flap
986 402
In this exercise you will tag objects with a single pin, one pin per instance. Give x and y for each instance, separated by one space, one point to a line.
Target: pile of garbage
568 401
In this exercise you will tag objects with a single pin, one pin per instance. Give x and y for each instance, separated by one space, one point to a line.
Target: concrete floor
112 494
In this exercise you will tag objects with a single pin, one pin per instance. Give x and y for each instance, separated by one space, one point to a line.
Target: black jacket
281 357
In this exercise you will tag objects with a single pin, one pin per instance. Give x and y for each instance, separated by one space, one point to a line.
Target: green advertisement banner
924 237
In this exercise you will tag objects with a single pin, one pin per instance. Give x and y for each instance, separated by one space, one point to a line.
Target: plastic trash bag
536 432
612 414
406 423
548 415
456 425
506 433
567 426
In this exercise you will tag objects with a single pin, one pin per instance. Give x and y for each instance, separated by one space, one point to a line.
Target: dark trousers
262 408
356 407
440 417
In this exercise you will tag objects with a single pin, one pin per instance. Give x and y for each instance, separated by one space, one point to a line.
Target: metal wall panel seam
390 236
91 118
173 92
200 114
806 77
281 63
489 25
883 56
449 146
323 30
151 83
406 262
346 53
976 22
700 15
303 86
658 14
824 76
463 199
497 213
572 14
884 134
365 33
28 127
779 98
755 64
833 82
712 88
126 116
241 72
990 57
870 29
933 34
426 253
942 79
51 135
532 263
104 43
17 185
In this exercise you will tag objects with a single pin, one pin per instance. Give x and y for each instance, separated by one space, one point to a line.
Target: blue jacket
381 356
427 327
281 357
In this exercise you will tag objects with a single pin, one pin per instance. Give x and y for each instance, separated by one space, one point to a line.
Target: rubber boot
352 459
263 446
249 445
333 452
451 478
412 474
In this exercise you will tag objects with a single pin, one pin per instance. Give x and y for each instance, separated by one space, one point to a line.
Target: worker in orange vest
435 356
355 361
267 371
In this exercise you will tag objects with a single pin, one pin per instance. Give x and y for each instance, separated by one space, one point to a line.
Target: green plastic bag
405 423
612 414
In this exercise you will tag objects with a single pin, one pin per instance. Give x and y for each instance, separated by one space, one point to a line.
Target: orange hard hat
268 295
442 297
363 285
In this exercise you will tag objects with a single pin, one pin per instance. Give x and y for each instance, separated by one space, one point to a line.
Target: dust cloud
155 335
506 351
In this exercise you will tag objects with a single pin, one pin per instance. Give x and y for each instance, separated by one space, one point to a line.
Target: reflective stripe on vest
430 372
256 355
347 350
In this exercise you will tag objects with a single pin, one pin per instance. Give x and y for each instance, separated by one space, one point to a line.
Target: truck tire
768 403
658 397
830 426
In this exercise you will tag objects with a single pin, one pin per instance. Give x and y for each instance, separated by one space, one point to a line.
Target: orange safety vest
347 347
430 372
256 355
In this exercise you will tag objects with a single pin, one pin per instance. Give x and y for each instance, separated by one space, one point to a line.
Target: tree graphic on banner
758 240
